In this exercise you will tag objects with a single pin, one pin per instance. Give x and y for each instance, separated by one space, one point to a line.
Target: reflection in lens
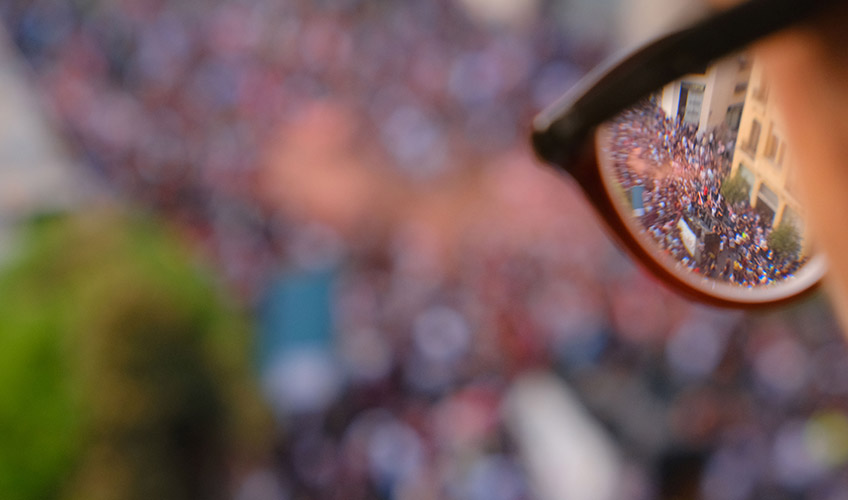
701 167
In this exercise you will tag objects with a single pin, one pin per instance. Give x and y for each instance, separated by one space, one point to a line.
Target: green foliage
785 241
122 372
735 189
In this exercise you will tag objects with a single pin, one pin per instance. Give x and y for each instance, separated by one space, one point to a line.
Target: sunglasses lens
701 173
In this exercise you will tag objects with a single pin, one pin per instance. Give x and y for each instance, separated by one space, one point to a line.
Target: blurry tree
785 241
123 373
735 189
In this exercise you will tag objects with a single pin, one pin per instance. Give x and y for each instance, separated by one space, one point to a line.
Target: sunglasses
680 149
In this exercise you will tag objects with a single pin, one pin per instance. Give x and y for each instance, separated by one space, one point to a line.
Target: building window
734 116
753 138
768 196
689 105
767 203
772 145
761 92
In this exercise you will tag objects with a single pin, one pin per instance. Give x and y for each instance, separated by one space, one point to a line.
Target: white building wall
720 82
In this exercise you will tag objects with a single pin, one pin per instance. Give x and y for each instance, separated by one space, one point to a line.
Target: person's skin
807 69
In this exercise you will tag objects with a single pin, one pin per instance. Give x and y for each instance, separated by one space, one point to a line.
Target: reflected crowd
175 105
681 172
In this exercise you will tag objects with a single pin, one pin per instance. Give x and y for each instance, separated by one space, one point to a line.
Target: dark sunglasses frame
565 133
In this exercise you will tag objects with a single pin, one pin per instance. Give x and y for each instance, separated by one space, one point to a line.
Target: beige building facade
761 156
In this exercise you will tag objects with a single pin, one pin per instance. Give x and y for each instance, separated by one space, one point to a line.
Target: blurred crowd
383 142
681 173
175 103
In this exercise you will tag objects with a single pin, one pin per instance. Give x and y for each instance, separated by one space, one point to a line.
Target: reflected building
761 157
713 98
672 155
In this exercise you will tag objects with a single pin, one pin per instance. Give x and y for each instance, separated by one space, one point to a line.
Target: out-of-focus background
289 249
